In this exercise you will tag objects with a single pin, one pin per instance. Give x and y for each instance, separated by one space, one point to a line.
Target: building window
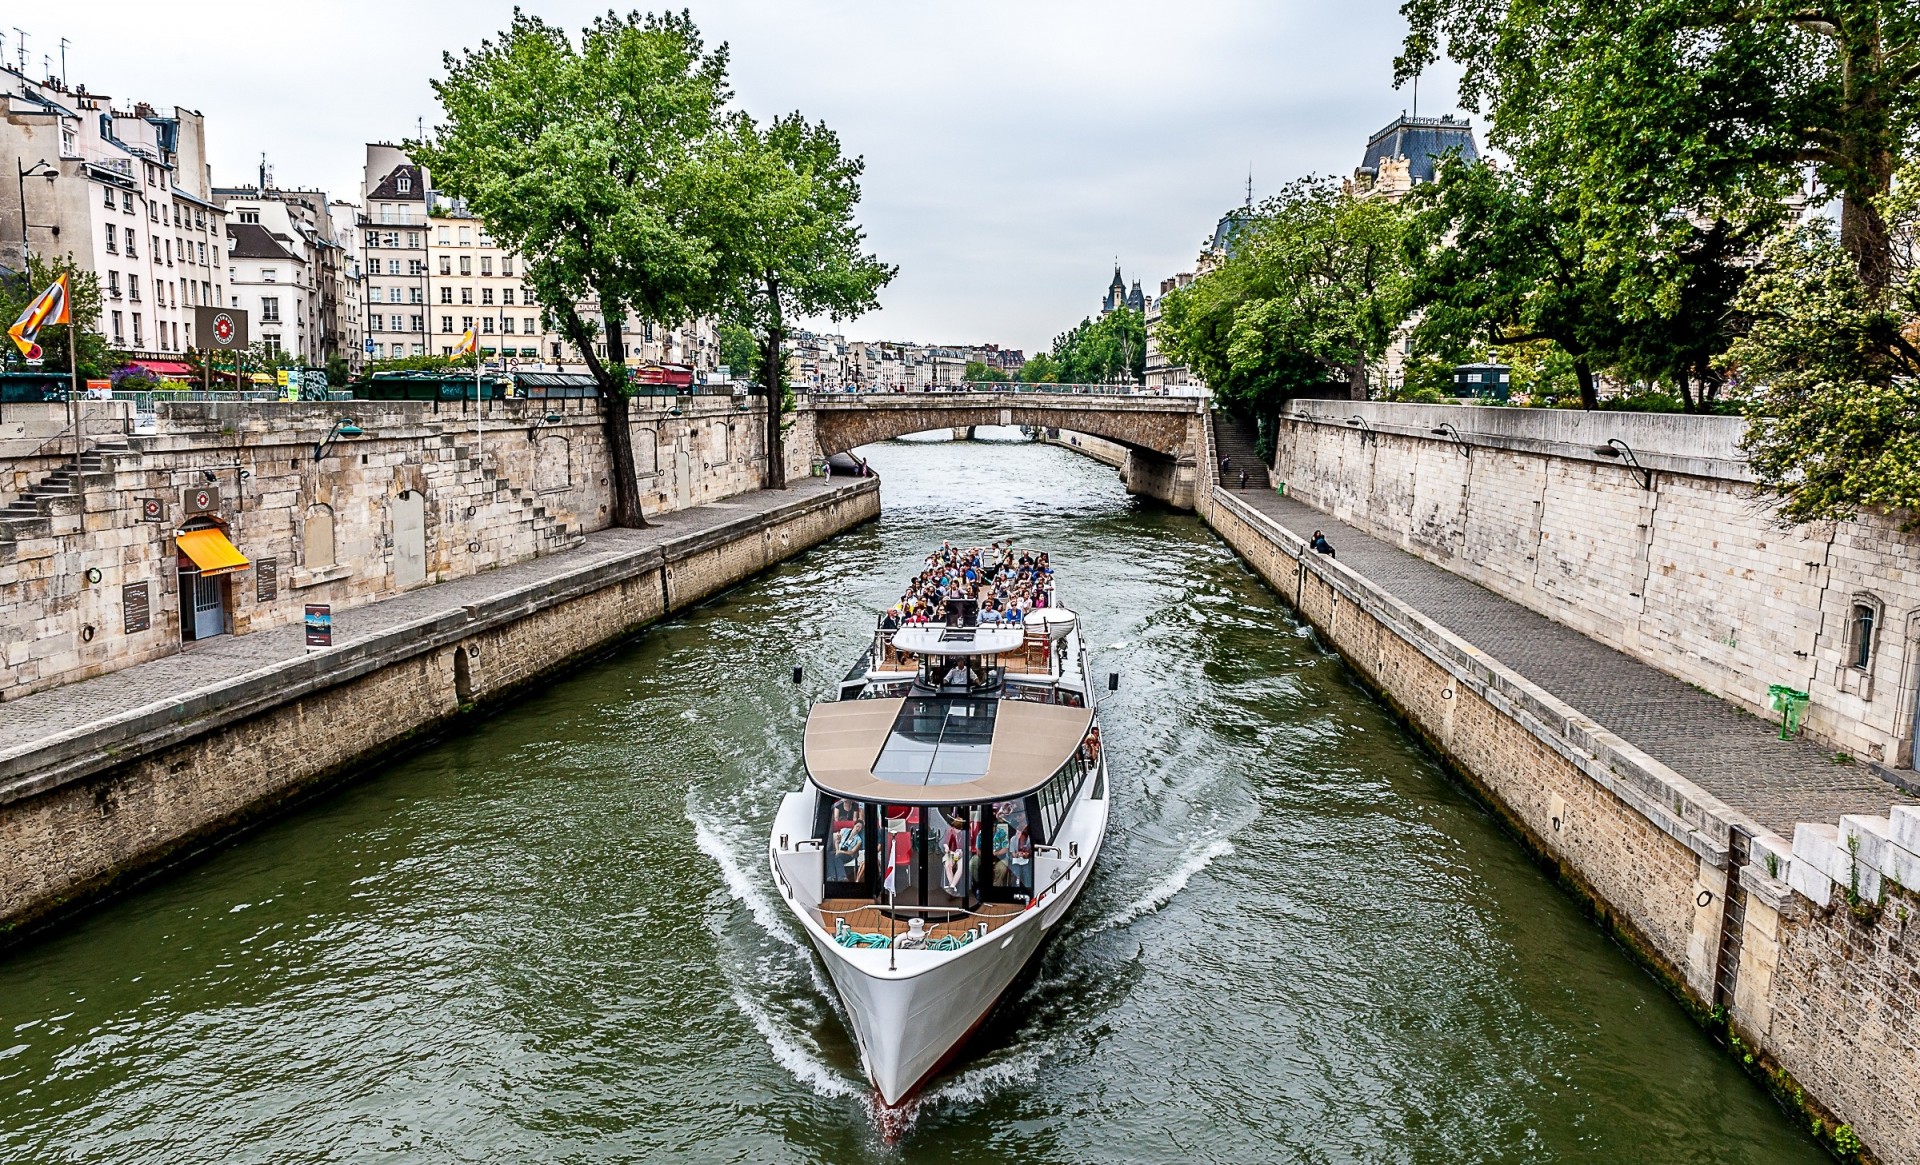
506 325
446 263
419 323
506 296
252 216
113 246
107 191
403 184
393 266
466 323
126 202
113 284
486 324
137 341
466 295
268 275
153 212
486 264
530 300
272 343
506 264
1860 632
119 330
446 324
466 236
486 296
69 145
373 295
446 295
466 264
133 293
270 309
416 295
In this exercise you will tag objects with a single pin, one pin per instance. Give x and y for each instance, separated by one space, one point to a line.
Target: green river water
547 938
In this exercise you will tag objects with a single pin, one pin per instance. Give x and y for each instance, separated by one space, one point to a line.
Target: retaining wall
89 812
1819 980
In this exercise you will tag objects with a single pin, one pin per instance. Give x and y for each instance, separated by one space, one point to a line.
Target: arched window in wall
316 543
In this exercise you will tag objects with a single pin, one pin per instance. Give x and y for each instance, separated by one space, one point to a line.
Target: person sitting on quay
1321 545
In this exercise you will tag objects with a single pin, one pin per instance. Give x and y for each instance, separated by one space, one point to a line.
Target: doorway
409 539
203 605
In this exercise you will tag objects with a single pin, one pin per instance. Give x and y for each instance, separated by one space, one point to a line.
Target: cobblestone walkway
47 714
1737 757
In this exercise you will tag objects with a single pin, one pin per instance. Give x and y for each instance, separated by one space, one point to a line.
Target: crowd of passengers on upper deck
1004 585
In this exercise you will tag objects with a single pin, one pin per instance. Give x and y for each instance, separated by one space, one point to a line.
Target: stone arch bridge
1162 434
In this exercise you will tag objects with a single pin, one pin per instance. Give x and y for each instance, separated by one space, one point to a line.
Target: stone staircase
550 533
1236 439
61 492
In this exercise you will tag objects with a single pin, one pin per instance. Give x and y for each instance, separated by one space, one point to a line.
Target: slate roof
1423 141
389 188
250 240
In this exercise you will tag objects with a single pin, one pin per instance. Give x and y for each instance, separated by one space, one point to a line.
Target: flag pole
73 395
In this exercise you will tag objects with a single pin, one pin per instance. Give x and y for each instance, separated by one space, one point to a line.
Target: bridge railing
1005 386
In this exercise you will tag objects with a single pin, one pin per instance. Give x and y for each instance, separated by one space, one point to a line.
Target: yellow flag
468 343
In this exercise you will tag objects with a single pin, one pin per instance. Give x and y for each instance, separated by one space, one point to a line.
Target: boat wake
740 885
1163 891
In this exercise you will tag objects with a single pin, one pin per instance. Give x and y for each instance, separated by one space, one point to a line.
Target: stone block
1818 846
1866 841
1816 886
1904 827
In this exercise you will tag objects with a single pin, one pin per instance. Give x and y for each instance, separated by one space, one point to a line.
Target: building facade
124 193
1162 374
393 241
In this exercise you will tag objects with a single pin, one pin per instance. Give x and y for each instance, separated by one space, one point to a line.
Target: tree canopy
1313 288
776 205
1109 350
578 158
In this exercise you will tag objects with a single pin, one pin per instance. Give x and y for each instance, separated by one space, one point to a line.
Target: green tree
980 372
1831 364
739 351
578 159
1496 259
1108 350
1309 296
83 291
777 206
1039 369
1713 107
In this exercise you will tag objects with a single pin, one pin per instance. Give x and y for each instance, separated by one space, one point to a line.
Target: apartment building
350 293
393 240
125 193
1163 373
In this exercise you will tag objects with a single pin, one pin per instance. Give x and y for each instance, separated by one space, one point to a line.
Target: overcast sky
1015 148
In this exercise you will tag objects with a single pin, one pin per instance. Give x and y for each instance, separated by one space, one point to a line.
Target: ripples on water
549 938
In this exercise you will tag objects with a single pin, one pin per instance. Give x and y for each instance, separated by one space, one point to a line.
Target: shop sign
266 579
133 602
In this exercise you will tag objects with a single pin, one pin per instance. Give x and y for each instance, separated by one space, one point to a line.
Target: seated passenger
1021 862
956 676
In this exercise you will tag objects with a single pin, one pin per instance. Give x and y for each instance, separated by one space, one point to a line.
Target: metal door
409 539
205 603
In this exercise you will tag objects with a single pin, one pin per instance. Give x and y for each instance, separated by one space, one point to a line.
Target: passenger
956 675
952 856
849 842
1002 839
1022 860
891 621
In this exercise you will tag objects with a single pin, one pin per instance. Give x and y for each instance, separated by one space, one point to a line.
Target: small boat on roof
956 800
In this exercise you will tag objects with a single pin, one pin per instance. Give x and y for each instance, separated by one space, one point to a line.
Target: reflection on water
549 939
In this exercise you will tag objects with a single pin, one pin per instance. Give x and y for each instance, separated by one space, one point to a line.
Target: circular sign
223 329
202 500
150 508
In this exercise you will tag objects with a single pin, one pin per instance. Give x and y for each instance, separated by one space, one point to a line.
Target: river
546 938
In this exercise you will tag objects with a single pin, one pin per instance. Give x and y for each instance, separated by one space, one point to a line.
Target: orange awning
211 552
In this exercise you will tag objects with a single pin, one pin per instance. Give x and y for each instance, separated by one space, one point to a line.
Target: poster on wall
319 625
133 602
266 579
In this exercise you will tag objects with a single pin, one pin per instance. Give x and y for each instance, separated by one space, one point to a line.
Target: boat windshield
938 740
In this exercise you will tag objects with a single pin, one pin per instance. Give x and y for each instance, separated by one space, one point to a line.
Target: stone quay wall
425 493
1086 444
95 809
1801 948
1679 562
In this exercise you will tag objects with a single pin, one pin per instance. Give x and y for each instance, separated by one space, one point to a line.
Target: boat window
1072 699
948 878
1009 851
845 828
900 849
938 741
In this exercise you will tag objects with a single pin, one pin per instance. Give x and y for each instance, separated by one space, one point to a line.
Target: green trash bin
1791 703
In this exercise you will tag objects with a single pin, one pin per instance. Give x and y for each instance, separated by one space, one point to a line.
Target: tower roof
1422 141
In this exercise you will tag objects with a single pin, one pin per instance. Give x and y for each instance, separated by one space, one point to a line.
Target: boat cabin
938 801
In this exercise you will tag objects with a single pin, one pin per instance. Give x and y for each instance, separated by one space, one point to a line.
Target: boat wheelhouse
955 802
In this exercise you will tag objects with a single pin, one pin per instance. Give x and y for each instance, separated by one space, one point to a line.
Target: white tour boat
955 802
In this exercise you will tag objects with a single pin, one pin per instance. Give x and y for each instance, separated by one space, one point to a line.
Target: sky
1015 149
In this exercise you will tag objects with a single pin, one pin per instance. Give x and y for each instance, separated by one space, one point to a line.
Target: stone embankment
108 779
1087 445
1667 809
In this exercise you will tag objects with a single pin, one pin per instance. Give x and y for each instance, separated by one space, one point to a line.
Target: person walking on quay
1243 479
1226 464
1321 545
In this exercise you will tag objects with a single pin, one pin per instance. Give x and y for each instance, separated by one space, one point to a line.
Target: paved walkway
47 714
1737 757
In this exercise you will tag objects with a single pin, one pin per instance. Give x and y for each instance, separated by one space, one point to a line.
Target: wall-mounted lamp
344 427
1447 430
1367 435
1615 447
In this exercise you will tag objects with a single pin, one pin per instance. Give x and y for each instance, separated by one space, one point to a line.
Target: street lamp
1447 430
1615 447
51 172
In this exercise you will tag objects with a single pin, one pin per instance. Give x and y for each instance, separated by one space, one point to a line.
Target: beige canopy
1030 743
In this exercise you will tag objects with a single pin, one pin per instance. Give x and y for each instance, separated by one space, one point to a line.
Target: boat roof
939 639
939 750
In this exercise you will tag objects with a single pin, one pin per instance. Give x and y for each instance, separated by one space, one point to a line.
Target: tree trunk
770 374
1589 395
1863 233
616 412
1686 390
1357 380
